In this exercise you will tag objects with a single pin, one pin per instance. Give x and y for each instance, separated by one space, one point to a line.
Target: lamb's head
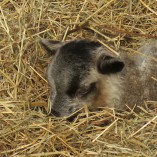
77 74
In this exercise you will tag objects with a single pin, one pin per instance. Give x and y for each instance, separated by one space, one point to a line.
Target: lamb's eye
86 90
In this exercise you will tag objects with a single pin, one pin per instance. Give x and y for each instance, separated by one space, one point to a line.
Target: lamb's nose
55 113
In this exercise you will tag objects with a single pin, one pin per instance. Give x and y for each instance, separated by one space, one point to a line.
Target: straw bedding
25 128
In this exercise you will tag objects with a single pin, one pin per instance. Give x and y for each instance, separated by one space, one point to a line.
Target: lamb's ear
109 65
51 46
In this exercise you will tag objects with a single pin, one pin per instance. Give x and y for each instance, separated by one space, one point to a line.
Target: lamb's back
140 75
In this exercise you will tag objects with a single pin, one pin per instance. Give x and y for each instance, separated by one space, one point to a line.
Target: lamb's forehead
78 51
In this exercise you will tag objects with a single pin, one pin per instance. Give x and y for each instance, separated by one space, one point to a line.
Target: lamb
85 72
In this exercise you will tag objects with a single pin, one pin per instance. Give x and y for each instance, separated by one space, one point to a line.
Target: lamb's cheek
100 100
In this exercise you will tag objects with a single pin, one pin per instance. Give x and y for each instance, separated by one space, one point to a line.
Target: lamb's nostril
55 113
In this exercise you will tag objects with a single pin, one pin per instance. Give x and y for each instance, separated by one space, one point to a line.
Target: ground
25 127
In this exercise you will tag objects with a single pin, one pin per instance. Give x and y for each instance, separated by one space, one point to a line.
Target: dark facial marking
77 46
73 87
76 55
79 49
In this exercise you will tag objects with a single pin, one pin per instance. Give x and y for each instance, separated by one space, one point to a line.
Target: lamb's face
77 74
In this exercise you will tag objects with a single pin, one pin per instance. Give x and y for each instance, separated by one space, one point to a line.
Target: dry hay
25 129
